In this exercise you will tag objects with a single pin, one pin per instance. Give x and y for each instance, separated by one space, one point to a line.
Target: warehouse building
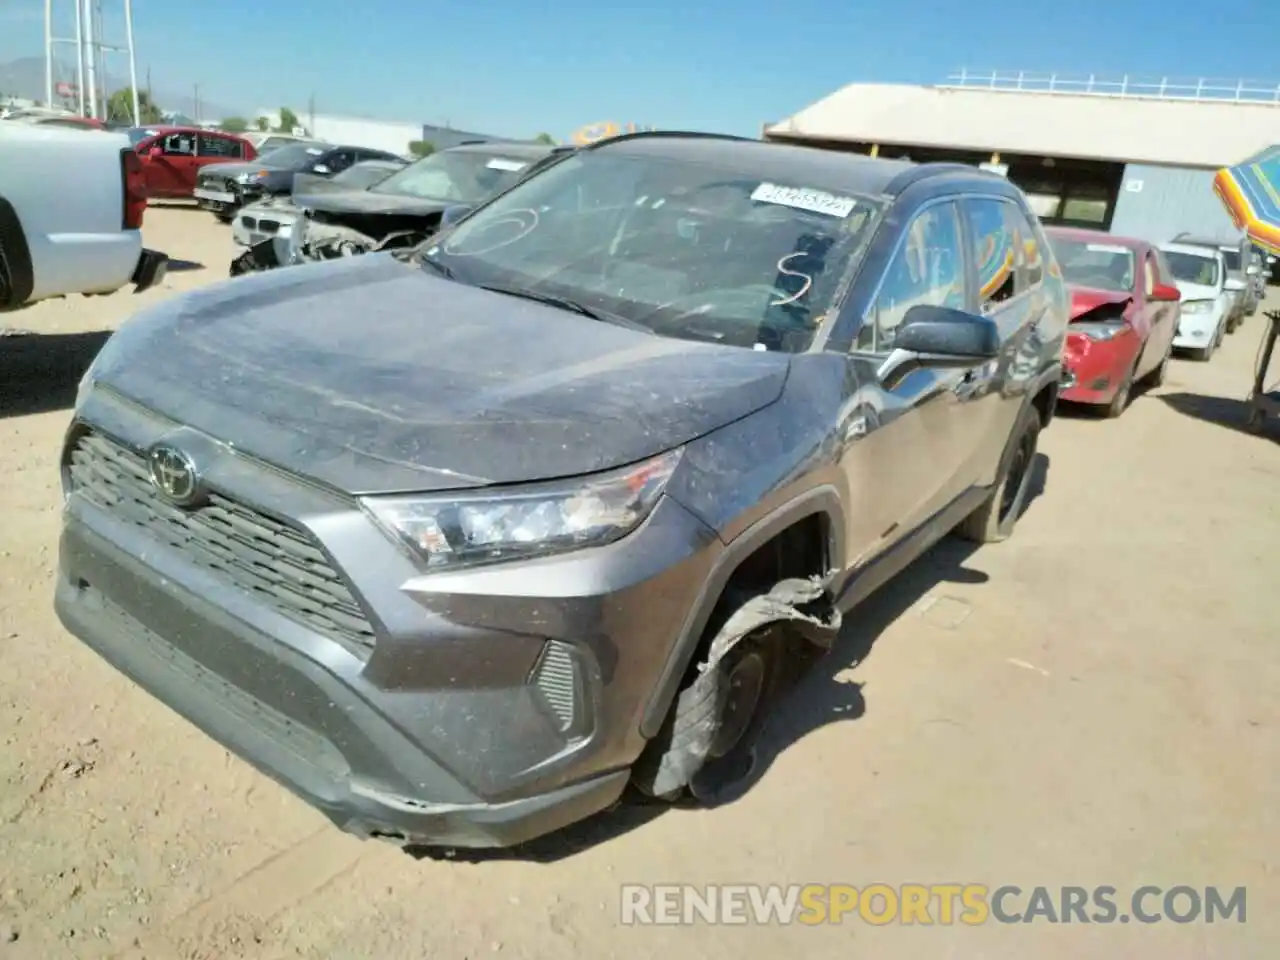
1131 157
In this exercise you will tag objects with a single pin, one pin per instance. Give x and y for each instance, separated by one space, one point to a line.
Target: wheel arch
17 273
805 536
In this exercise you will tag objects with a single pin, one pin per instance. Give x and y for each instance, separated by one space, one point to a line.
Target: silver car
274 216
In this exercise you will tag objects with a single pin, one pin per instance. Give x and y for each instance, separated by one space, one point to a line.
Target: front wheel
707 743
995 519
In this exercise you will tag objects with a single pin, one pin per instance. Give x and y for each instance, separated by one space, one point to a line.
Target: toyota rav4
458 542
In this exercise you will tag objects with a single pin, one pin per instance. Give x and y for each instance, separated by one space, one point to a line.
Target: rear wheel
995 519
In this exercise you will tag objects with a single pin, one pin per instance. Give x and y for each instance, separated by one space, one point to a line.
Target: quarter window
928 270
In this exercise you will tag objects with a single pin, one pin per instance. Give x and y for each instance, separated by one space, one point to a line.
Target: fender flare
823 500
17 274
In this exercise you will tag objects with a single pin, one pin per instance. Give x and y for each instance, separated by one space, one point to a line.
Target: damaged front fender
803 606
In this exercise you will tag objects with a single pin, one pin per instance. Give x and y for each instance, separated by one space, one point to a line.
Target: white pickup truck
71 208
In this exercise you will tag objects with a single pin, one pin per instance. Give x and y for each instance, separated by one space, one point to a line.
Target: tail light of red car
135 190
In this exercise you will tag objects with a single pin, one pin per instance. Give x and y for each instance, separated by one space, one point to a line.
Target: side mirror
1166 292
155 153
455 213
939 338
321 168
1253 270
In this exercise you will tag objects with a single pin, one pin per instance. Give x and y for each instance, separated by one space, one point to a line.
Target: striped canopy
1251 192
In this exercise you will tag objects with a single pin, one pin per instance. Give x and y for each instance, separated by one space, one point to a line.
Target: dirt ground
1093 702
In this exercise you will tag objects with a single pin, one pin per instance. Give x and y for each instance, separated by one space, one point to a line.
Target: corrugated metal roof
1128 129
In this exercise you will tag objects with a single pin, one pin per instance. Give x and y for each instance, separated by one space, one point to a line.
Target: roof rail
1126 86
688 134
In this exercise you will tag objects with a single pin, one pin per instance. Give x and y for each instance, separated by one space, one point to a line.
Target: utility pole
48 53
133 65
196 103
91 58
311 115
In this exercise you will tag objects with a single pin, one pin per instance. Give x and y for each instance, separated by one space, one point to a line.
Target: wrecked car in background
460 544
400 211
223 188
274 216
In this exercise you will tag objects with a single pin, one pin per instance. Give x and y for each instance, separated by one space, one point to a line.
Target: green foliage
234 124
262 123
120 107
546 138
288 120
421 148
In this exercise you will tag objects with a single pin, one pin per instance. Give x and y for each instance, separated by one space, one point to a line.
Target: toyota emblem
174 475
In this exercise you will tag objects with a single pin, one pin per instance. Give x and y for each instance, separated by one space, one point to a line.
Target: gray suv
458 543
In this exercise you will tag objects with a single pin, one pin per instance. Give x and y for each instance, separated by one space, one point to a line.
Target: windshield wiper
565 303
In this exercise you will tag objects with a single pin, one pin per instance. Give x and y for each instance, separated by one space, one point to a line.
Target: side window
928 269
1026 245
179 145
210 145
340 160
993 251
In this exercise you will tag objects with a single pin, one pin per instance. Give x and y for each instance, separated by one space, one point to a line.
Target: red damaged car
1124 314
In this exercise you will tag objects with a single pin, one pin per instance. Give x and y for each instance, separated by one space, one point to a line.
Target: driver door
902 469
172 173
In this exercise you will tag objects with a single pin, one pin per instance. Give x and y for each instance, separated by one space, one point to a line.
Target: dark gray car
224 188
458 544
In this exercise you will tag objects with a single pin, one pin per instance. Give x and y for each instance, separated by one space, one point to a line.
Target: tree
234 124
546 138
120 107
262 123
421 148
288 120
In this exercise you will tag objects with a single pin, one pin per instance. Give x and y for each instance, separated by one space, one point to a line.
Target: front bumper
152 268
445 730
1095 369
1197 331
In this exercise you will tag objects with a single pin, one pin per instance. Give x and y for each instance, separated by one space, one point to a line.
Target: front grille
280 565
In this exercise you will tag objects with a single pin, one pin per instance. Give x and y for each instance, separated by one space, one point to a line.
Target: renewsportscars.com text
970 904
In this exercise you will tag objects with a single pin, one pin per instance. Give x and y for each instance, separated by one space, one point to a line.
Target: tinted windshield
688 250
1232 258
1103 266
461 177
1191 268
293 157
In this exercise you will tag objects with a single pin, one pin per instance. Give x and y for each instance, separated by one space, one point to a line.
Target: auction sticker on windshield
815 201
501 163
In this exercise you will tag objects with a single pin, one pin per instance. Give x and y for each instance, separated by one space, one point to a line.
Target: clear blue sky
516 68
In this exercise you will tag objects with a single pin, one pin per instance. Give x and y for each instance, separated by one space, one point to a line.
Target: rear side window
1027 250
214 146
994 250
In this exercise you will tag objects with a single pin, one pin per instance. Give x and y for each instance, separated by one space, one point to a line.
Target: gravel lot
1093 702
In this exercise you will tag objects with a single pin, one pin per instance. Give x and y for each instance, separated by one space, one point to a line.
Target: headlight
470 529
1098 331
1197 306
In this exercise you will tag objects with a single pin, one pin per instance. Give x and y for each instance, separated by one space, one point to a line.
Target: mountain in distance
25 78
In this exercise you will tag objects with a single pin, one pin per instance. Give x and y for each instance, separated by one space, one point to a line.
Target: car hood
373 376
231 169
1085 300
364 202
1197 291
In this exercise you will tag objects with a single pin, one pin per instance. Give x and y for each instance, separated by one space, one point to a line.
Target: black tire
684 756
224 217
1158 376
995 519
1120 402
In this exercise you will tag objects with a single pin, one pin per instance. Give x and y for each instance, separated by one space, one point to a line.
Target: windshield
138 134
1102 266
1232 259
294 156
1191 268
688 250
459 177
362 175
